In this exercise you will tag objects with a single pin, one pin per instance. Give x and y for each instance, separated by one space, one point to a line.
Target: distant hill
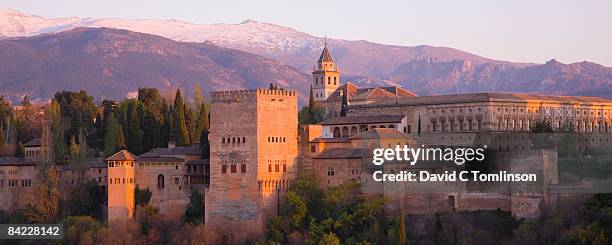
430 76
111 63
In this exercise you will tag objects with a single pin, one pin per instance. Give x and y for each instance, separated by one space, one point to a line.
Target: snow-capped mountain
287 45
423 69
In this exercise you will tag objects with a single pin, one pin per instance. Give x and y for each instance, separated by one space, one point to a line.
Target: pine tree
134 138
180 127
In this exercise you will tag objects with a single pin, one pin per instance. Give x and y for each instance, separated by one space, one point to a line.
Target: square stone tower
253 143
121 185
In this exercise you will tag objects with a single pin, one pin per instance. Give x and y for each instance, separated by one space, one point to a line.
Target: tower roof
122 155
325 55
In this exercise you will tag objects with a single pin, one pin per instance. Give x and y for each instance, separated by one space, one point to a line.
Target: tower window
233 170
328 80
243 168
223 169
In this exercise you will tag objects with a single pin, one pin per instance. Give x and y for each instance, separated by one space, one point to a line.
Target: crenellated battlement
248 94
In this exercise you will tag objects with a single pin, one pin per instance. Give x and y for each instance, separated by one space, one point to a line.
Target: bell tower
326 76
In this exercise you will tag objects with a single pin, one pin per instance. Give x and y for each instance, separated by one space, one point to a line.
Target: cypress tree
419 127
205 145
311 103
180 127
344 105
113 135
74 148
121 142
191 121
134 143
402 231
20 150
202 123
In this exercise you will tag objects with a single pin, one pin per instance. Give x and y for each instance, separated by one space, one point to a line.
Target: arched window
354 131
336 132
328 80
243 139
335 80
160 181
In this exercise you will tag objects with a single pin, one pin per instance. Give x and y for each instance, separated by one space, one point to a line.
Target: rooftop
340 153
176 151
94 163
382 133
15 161
354 92
325 56
122 155
483 97
363 119
160 159
33 142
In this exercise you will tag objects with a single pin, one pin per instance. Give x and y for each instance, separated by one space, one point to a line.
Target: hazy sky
527 31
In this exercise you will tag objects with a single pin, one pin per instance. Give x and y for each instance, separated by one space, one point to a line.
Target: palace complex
257 150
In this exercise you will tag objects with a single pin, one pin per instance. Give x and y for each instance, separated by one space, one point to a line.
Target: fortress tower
253 143
121 185
326 76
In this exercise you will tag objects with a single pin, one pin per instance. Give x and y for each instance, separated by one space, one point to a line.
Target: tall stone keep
121 185
326 76
253 143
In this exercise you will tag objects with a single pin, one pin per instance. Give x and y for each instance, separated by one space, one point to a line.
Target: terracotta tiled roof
354 92
382 133
482 97
122 155
336 153
363 119
33 143
325 56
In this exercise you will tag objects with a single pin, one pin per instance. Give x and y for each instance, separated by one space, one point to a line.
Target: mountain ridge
423 69
112 63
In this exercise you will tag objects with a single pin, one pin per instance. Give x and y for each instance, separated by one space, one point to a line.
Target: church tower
326 76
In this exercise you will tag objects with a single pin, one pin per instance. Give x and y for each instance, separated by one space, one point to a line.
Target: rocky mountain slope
111 63
423 69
